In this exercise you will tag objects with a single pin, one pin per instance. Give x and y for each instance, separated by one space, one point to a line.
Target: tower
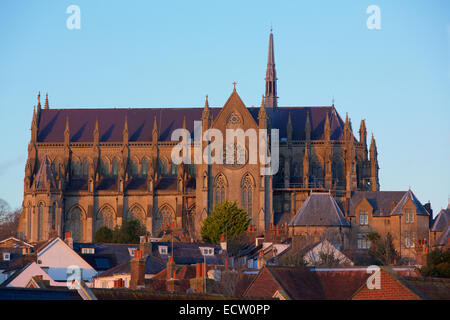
271 78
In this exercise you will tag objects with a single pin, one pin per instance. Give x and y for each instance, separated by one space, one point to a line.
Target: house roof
140 121
153 265
442 221
300 283
409 195
382 202
319 209
18 243
188 253
444 238
106 255
341 284
38 294
428 288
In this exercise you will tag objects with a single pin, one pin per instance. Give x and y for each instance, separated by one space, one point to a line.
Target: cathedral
89 168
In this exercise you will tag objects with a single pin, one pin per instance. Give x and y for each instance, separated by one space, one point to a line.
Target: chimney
198 283
261 261
170 268
68 239
137 271
223 242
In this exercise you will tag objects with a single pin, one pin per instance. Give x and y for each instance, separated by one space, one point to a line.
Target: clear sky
173 53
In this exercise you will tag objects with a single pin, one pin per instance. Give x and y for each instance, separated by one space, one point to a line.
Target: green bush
438 264
226 218
103 235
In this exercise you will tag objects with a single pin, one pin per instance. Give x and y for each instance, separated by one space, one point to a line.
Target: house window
409 216
207 251
6 256
363 218
409 239
363 243
162 249
87 250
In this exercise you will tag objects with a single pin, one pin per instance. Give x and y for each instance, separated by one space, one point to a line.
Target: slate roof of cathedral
319 209
111 121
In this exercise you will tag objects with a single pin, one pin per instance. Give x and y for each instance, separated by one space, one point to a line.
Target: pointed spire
206 107
307 127
34 126
67 133
306 166
373 147
96 133
125 131
155 130
206 115
363 132
327 128
262 114
271 77
39 100
289 128
46 107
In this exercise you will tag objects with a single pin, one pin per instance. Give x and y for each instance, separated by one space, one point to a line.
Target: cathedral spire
39 101
307 127
155 131
46 107
125 131
67 133
289 128
96 133
327 128
271 77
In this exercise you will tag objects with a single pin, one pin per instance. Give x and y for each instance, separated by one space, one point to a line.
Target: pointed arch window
247 195
53 216
219 190
105 167
41 221
76 168
105 218
134 167
85 170
163 167
75 224
115 167
144 167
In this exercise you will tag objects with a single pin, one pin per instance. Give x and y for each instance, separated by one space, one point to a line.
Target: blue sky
166 54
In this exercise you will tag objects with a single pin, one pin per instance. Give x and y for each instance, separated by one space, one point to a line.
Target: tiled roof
140 122
38 294
409 195
319 209
341 284
106 256
188 253
444 238
428 288
442 221
153 265
382 202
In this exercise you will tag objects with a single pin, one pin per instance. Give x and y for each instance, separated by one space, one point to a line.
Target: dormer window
409 216
363 218
131 251
162 249
87 250
207 251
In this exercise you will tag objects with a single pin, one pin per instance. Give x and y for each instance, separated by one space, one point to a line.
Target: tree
103 235
382 249
129 232
9 220
226 218
438 264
